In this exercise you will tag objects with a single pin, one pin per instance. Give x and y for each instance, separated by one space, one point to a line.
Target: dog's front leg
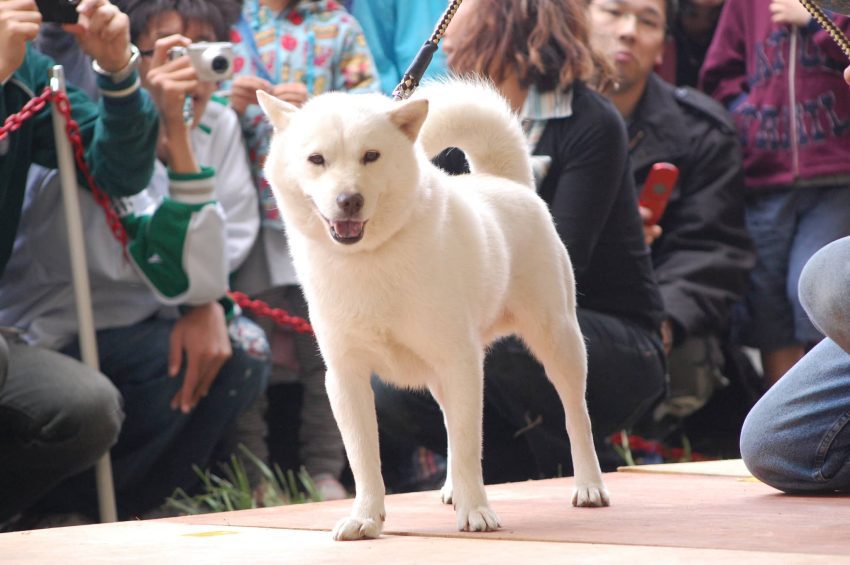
447 489
353 405
461 396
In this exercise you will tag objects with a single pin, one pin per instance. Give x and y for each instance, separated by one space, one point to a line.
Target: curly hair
220 14
545 43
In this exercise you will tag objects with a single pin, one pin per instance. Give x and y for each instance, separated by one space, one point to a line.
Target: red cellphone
657 189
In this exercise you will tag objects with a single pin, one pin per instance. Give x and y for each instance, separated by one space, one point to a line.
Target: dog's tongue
348 228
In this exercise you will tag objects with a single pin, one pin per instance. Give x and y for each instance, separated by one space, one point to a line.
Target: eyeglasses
613 11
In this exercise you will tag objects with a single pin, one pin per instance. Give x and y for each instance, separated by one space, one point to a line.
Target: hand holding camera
180 79
101 29
20 21
170 80
208 62
212 61
103 32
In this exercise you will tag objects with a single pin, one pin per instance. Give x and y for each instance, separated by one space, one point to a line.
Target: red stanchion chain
72 129
279 316
31 108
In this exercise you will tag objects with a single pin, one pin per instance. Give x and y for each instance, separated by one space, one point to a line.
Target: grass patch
232 490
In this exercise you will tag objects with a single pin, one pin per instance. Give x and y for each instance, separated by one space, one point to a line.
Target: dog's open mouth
347 231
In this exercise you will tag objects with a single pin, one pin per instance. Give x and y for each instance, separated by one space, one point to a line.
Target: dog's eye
370 156
316 159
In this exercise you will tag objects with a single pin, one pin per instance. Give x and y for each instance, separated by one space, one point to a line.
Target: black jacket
703 258
590 192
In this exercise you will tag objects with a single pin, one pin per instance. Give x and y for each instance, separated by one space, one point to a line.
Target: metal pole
80 276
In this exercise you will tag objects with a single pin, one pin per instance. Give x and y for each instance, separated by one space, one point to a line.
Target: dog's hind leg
460 394
555 339
353 405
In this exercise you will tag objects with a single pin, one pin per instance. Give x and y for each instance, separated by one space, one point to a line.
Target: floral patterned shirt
315 42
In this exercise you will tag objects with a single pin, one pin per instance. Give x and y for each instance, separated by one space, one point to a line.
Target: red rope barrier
72 129
278 315
31 108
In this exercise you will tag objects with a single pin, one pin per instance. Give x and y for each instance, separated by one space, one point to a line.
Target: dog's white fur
445 266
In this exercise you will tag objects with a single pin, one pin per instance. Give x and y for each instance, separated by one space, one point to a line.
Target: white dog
410 273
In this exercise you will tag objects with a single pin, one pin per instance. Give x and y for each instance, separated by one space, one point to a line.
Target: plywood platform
655 517
727 468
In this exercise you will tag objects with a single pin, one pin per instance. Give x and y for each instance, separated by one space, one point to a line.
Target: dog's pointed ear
276 109
409 117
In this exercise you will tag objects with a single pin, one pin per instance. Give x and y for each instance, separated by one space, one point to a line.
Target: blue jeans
57 418
797 437
158 446
788 227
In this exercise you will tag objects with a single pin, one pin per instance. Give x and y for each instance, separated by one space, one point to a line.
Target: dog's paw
446 493
591 495
478 519
351 528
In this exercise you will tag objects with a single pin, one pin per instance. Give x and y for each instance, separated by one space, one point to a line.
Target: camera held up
58 11
213 61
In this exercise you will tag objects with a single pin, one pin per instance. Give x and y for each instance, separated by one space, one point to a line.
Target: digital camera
58 11
213 61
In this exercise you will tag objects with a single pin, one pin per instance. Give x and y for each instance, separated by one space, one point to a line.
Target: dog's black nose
350 202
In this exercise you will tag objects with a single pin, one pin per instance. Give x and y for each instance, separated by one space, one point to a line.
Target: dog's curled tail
471 114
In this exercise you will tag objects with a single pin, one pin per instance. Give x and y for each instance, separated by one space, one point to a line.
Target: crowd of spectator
745 98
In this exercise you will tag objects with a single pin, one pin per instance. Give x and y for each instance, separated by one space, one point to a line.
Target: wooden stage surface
694 513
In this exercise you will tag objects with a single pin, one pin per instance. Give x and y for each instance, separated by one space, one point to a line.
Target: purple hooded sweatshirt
785 88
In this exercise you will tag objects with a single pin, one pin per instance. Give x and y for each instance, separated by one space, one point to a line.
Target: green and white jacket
187 234
119 134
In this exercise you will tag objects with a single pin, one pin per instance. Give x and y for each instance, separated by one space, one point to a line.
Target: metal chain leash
72 129
420 63
827 24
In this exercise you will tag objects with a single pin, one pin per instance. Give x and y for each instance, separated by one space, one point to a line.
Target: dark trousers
524 429
157 445
57 417
4 361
